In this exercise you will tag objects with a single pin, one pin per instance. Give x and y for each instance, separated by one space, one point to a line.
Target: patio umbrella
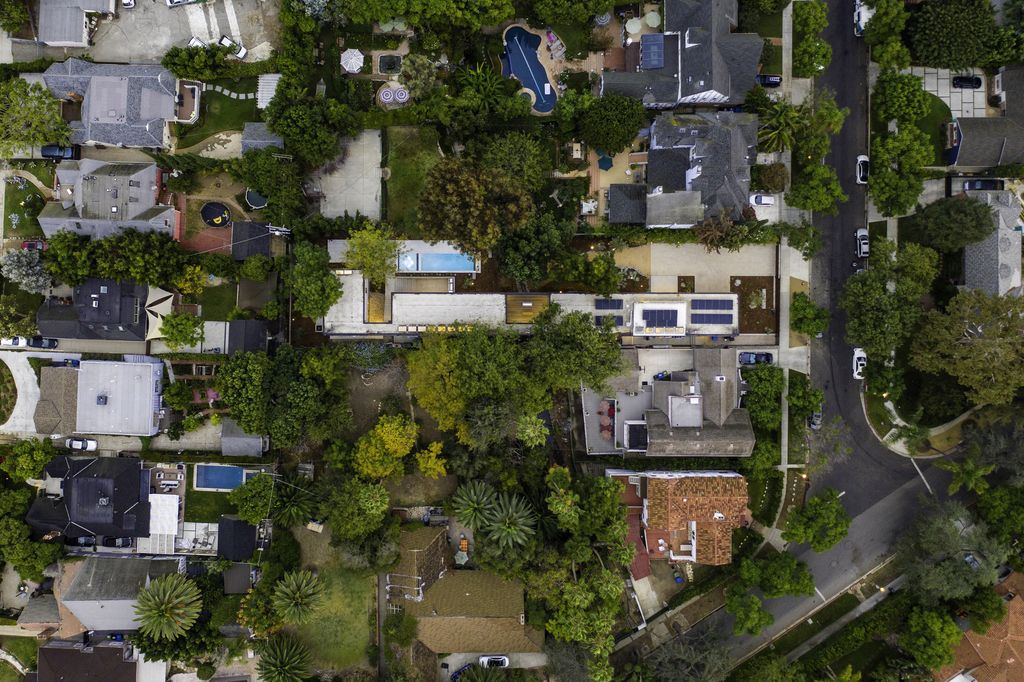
634 25
605 163
461 558
352 60
603 19
401 95
400 24
387 26
653 19
386 95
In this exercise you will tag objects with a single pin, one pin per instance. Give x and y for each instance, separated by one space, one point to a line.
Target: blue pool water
222 476
446 262
522 62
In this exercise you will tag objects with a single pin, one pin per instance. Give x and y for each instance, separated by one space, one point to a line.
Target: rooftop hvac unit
104 501
101 400
719 516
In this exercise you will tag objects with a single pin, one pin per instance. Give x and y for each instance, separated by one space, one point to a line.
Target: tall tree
806 317
751 616
931 637
379 453
886 23
29 117
26 458
951 223
243 384
822 522
566 349
960 34
897 160
900 97
764 395
976 340
294 502
611 122
373 251
471 206
298 596
311 126
512 522
312 283
697 656
356 509
522 157
579 12
180 330
13 15
474 503
419 75
284 659
968 473
254 498
25 268
525 254
168 607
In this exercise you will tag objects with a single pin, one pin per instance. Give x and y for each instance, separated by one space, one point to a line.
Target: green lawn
771 59
878 415
9 674
43 170
22 648
933 124
22 301
575 37
26 204
8 392
203 505
218 301
340 633
819 621
412 150
879 228
218 113
753 21
236 84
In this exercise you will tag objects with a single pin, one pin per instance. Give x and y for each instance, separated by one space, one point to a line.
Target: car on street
41 342
84 541
860 361
762 200
967 82
755 358
863 169
494 661
984 184
117 542
178 3
195 41
768 81
15 342
239 51
34 245
814 421
84 444
862 245
127 4
861 16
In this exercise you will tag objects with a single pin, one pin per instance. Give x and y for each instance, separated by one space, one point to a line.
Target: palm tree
512 523
474 504
967 473
779 124
297 596
480 674
294 503
168 607
284 659
485 82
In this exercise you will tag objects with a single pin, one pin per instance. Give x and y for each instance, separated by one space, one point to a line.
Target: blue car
460 672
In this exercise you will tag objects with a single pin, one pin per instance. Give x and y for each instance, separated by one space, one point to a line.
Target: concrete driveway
963 102
353 184
22 419
456 661
144 33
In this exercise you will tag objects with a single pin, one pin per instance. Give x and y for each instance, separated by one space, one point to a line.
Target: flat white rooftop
118 398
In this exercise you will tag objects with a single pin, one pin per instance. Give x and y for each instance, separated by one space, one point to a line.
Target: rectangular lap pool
220 477
437 263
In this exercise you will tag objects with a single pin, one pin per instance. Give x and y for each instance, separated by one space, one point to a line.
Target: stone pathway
228 93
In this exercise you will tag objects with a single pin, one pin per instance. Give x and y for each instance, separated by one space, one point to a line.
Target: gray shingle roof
101 309
249 239
987 142
122 104
993 265
237 443
256 135
627 204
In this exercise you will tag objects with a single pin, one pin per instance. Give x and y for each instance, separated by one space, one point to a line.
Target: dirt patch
415 490
687 284
757 300
315 548
795 492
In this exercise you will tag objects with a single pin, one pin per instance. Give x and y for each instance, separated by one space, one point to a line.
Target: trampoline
522 62
215 214
255 200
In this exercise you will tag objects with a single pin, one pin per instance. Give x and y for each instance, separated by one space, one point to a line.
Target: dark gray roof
40 610
249 239
627 204
993 265
987 142
116 578
1012 81
734 438
101 309
102 661
57 409
719 396
236 539
101 496
667 167
658 88
237 579
247 335
122 104
256 135
235 442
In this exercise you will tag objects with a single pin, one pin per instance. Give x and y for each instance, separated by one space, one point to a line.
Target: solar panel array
710 318
711 304
599 320
608 303
652 51
661 318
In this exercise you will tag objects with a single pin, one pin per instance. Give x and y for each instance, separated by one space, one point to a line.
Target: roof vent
718 516
104 501
101 400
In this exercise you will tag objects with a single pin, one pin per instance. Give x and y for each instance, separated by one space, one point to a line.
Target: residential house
96 661
236 539
101 397
65 23
40 615
686 516
698 166
669 403
121 105
103 593
98 199
238 578
993 265
696 60
423 559
105 309
983 142
234 442
257 135
93 496
249 239
998 654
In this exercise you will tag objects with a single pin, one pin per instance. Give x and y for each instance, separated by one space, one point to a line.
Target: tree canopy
960 34
525 254
254 499
899 96
806 317
611 122
821 523
379 452
311 126
312 283
951 223
277 178
931 637
373 251
522 157
181 329
897 160
25 459
25 268
764 395
29 117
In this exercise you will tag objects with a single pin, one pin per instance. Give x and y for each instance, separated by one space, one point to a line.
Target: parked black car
984 183
755 358
769 81
84 541
41 342
55 151
967 82
117 542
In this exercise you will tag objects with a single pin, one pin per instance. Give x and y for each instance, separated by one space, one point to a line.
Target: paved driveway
21 421
456 661
963 103
353 184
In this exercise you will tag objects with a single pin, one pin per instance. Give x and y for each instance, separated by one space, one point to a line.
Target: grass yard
25 649
8 392
575 37
878 229
45 171
218 301
202 505
340 633
219 113
26 204
771 57
9 674
412 150
878 414
22 301
933 124
753 21
836 609
236 84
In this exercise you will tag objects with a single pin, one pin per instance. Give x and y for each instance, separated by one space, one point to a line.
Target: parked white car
15 342
127 4
240 51
863 169
862 244
861 16
84 444
860 361
493 661
762 200
195 41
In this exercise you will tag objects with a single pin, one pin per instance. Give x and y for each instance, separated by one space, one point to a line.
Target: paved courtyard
963 102
353 184
665 263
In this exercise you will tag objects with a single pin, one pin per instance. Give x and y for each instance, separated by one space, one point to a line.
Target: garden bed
758 313
218 113
807 628
8 393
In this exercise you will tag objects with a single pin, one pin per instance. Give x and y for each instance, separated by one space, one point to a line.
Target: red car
35 245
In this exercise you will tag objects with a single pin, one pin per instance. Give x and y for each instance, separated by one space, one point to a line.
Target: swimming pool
453 262
521 61
221 477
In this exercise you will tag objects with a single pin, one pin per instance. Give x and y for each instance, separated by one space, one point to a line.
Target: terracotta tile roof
997 655
672 503
641 566
475 611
